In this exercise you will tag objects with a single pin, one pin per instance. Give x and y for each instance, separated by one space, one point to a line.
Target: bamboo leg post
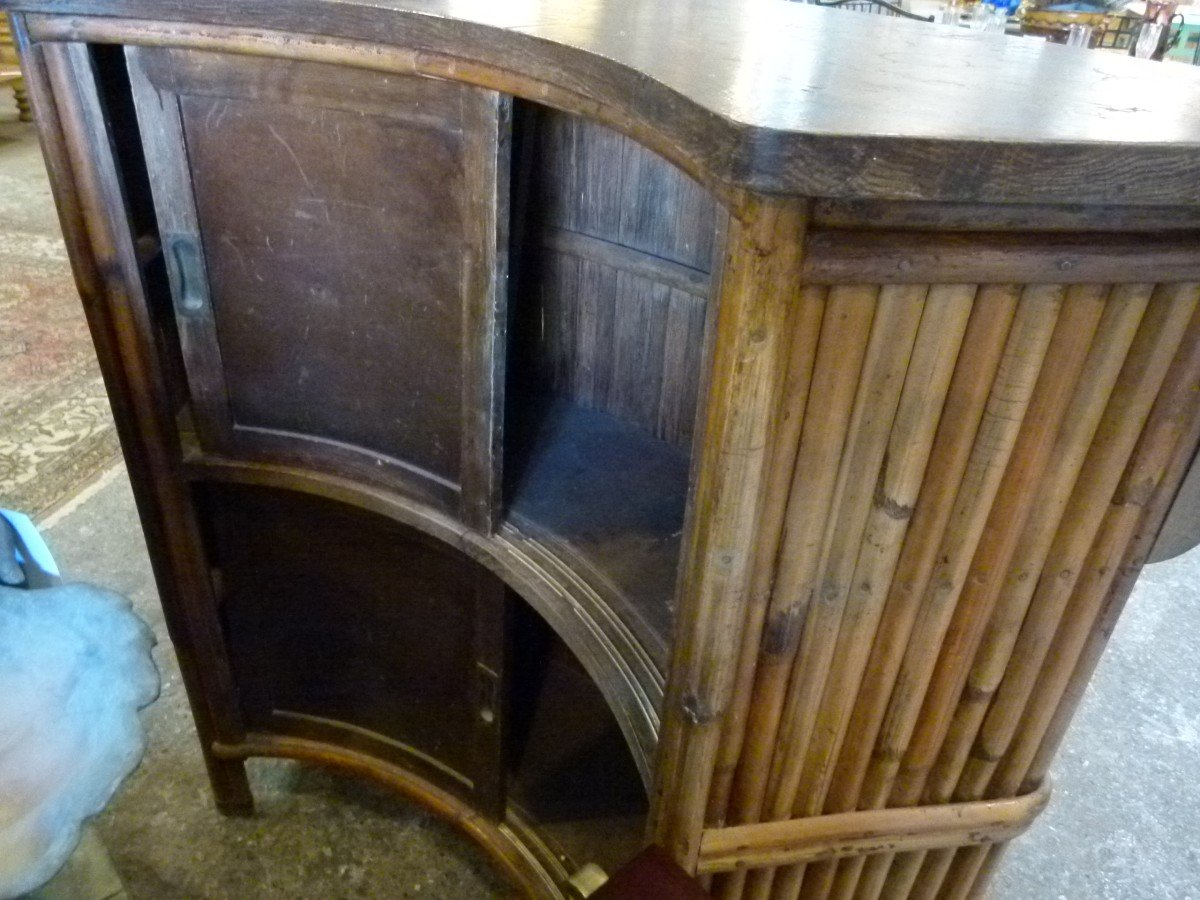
785 445
792 405
758 284
843 341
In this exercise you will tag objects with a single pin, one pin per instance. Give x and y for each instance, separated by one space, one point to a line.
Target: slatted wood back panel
614 275
972 464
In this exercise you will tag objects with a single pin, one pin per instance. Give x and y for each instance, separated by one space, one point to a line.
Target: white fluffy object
75 668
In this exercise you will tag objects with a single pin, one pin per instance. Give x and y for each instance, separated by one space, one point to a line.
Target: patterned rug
56 429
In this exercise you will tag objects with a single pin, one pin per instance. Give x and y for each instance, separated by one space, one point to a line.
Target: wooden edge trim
840 256
930 215
610 110
499 843
869 831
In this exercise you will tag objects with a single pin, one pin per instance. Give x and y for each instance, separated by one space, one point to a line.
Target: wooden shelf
607 500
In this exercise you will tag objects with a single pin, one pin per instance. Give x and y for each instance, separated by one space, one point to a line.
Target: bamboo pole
1064 363
1140 504
845 328
979 358
793 402
1007 403
1122 314
758 285
771 844
1151 459
889 350
940 335
1133 395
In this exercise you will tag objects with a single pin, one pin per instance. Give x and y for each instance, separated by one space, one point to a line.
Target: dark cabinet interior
434 358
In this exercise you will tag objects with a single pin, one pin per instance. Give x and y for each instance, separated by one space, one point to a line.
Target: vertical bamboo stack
963 483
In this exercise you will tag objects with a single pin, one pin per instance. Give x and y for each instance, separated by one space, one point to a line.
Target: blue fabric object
25 559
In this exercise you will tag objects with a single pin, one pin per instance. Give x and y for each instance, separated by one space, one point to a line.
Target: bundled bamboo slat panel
987 330
1064 363
1133 395
1123 312
993 445
934 523
943 324
845 327
1139 504
888 353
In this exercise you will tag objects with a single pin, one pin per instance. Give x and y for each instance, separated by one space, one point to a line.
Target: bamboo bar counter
726 424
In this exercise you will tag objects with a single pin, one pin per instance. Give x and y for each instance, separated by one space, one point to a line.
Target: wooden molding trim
837 256
863 832
656 268
498 842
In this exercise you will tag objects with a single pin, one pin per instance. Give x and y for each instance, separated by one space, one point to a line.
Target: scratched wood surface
327 303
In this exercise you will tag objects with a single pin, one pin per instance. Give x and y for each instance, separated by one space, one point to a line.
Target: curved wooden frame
627 676
508 845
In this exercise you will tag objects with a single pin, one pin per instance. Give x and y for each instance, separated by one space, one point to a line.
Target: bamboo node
697 711
781 633
893 509
974 694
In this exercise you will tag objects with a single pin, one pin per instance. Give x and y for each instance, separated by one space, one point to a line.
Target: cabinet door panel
348 628
332 240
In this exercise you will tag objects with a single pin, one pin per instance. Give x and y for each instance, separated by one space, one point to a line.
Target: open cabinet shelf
605 498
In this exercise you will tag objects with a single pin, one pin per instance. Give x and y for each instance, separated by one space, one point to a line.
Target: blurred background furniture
10 70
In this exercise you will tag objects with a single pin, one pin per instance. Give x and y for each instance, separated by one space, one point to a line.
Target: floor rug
56 429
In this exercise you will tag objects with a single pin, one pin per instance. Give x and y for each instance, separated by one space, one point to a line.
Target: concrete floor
1124 823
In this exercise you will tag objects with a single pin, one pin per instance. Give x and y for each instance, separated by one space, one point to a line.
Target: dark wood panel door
336 262
348 628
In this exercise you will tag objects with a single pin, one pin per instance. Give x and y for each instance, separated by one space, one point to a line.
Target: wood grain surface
761 94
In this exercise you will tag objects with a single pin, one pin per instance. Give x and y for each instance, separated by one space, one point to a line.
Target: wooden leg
230 786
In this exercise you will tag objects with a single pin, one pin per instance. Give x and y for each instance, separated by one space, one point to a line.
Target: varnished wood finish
483 368
720 80
613 288
297 255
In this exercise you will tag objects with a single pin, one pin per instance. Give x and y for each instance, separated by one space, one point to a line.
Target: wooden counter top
769 95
